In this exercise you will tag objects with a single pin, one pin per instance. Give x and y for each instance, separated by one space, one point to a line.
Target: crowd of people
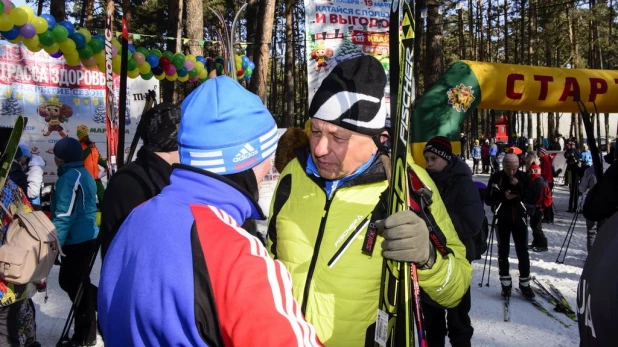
312 280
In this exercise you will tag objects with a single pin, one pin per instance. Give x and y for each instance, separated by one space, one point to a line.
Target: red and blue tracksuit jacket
181 272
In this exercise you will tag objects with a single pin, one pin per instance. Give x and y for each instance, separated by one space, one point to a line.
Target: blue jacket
175 275
476 152
493 150
74 204
586 158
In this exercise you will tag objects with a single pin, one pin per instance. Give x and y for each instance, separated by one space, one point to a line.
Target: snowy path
528 326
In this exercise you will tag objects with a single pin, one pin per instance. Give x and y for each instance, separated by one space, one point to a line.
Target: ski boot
524 286
507 286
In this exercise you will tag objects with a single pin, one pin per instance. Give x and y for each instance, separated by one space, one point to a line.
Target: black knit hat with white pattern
352 96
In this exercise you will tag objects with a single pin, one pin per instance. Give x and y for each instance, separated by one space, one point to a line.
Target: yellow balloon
67 46
199 66
6 23
133 74
184 78
116 44
160 77
52 49
17 40
238 61
40 25
100 58
172 77
116 70
101 67
86 34
73 55
18 16
32 42
190 57
144 68
36 48
29 11
203 74
116 61
72 61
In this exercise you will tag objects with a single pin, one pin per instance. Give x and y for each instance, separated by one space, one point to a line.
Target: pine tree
12 107
99 114
348 49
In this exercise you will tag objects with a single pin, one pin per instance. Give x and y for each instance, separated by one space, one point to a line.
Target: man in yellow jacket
328 195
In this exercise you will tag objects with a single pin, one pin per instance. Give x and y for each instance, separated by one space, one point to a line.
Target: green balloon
156 52
169 55
85 52
47 38
1 7
178 62
193 73
131 64
60 33
248 72
96 45
202 80
147 76
142 50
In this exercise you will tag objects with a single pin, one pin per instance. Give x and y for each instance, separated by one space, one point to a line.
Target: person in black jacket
535 210
16 172
572 156
508 190
453 178
144 178
602 199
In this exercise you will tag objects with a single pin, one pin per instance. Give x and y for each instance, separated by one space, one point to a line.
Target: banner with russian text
337 30
56 98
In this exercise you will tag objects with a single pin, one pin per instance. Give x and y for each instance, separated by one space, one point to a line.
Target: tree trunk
251 19
90 14
472 42
39 8
126 12
506 33
261 55
433 49
170 91
607 132
57 8
289 93
462 45
539 130
194 28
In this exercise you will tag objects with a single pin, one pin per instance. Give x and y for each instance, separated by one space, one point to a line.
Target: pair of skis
556 299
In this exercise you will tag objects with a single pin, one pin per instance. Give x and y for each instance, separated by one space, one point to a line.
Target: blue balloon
131 48
153 60
57 54
182 72
69 26
79 39
157 70
200 59
244 64
251 65
11 34
247 78
51 21
100 38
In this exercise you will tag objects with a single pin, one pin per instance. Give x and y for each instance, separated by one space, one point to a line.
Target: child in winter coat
476 157
33 167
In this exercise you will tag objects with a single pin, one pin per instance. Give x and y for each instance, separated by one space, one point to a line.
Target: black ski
10 149
558 307
561 297
541 308
507 313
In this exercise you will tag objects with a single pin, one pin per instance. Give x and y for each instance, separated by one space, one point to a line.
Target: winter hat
224 128
440 146
476 142
25 150
68 150
82 131
510 160
534 171
160 128
352 96
543 151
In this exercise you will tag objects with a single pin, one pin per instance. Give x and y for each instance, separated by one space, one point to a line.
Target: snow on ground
528 326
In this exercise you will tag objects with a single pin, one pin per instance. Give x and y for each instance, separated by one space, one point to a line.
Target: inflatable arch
467 85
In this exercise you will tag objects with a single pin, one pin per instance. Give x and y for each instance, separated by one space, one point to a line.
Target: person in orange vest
92 158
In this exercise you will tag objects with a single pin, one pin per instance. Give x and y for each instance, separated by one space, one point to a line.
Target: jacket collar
191 185
151 160
68 166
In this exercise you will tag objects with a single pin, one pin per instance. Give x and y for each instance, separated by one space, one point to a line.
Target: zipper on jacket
344 247
314 257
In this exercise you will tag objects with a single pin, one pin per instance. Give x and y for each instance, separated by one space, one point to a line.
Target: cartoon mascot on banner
55 113
321 55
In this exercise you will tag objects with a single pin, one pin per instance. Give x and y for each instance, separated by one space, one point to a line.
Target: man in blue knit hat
181 271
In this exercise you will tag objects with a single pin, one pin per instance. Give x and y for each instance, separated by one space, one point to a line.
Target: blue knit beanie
68 150
224 128
25 150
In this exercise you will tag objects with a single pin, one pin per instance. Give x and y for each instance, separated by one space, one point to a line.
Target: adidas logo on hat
245 153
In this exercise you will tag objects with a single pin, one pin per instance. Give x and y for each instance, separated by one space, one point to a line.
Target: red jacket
546 171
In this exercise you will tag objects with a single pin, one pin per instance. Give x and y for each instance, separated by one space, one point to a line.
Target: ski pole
566 236
579 207
491 245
